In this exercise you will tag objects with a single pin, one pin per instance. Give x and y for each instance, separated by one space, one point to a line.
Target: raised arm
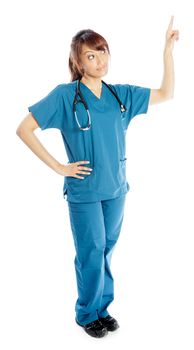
166 90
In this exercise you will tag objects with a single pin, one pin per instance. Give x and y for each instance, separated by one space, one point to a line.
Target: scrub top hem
94 197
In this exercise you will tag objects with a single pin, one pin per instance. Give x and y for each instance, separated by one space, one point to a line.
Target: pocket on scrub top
123 161
123 168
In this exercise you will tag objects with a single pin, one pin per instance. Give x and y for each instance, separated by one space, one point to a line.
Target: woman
93 118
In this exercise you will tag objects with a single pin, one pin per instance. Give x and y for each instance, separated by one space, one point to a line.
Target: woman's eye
103 50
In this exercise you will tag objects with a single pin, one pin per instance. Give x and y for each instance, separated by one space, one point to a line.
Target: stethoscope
82 100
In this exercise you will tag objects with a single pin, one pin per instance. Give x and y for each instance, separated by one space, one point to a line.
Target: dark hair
91 39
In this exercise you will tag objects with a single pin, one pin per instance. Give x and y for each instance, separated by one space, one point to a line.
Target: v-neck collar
91 92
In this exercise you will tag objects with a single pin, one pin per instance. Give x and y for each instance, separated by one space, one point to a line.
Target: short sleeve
135 98
49 111
139 100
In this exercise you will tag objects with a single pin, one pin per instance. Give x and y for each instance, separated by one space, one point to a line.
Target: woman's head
89 55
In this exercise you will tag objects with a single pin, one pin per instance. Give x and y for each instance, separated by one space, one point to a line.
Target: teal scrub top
103 145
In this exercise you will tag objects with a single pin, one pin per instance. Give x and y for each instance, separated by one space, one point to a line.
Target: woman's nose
100 62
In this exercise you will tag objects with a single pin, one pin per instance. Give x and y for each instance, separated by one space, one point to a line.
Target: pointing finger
171 23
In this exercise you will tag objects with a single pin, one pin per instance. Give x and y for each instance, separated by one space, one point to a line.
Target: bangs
95 42
98 44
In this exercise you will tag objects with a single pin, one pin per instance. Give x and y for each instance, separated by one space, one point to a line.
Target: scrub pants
96 227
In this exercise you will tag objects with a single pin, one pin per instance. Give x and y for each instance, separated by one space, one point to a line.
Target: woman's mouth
102 68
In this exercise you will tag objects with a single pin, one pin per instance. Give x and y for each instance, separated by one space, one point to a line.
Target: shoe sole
93 335
113 329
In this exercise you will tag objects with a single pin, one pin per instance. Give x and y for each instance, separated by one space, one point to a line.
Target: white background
153 261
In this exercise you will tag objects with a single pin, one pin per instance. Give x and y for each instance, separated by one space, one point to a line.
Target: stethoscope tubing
82 100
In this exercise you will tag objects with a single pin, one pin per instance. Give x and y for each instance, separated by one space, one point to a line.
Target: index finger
171 23
82 162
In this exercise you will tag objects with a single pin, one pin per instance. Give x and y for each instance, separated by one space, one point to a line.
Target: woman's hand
171 35
72 169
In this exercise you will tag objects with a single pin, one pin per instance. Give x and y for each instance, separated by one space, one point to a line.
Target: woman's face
93 62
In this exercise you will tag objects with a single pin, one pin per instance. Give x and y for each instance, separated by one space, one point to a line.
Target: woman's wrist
56 166
60 168
167 50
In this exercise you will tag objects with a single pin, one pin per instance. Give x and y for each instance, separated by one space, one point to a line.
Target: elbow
171 94
170 97
167 97
19 131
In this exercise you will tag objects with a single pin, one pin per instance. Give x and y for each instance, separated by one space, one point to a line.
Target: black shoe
95 329
109 322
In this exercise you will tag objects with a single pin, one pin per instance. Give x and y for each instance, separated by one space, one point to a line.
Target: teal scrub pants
96 227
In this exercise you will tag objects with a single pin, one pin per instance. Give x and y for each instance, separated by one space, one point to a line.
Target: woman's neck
93 83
